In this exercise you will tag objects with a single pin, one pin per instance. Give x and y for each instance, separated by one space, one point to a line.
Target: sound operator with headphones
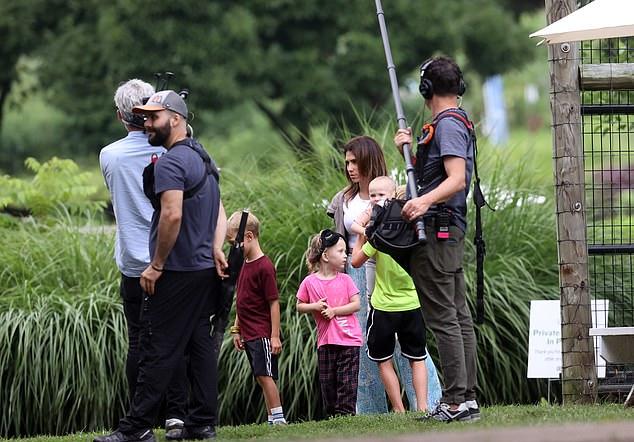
122 164
444 165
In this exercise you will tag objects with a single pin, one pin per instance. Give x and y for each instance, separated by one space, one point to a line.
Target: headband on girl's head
328 238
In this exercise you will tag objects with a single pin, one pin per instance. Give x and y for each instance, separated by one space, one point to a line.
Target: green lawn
392 424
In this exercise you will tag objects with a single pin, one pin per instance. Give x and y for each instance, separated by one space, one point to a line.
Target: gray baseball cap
163 100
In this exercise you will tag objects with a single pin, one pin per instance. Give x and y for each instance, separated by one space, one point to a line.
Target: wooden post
578 366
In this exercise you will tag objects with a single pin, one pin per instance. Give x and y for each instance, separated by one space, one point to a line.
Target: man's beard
160 135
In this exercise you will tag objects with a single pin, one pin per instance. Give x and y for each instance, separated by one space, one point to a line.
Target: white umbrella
598 19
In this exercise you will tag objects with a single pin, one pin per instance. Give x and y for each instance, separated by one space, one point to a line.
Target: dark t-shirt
181 168
256 288
451 138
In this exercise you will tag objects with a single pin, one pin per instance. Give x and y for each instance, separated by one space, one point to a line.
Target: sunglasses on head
328 238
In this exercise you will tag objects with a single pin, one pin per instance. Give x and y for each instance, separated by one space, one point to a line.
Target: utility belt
437 220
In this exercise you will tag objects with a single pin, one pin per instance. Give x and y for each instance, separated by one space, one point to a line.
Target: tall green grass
62 333
520 265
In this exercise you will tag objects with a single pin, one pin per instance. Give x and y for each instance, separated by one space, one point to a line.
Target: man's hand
221 263
149 278
415 208
403 136
276 345
237 341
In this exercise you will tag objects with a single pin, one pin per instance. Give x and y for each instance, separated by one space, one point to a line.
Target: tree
210 46
517 8
22 23
493 41
300 62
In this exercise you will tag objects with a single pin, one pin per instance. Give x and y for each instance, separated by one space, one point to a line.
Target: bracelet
156 268
234 330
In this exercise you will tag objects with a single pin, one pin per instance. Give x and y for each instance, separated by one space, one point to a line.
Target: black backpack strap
210 168
468 124
425 145
479 202
194 190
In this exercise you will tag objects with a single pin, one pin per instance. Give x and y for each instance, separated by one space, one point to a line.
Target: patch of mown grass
395 424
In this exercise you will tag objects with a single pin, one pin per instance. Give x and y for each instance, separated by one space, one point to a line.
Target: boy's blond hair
233 224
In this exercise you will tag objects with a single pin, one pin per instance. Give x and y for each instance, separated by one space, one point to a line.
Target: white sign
544 339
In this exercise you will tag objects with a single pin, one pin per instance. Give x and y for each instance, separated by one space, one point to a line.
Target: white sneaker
474 410
174 429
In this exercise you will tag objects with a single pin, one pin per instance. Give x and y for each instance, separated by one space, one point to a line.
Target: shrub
57 185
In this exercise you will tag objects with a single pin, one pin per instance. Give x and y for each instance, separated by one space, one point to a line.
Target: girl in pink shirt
333 298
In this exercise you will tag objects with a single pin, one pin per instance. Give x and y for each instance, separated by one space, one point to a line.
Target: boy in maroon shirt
257 325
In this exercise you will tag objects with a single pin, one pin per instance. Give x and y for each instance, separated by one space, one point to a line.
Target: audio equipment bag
389 233
228 285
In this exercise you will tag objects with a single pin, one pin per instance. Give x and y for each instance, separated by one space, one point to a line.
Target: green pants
436 269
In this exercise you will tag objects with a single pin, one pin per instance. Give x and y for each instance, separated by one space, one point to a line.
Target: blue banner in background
495 124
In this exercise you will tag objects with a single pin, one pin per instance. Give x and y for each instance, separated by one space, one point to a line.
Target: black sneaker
444 413
174 429
199 433
474 410
118 436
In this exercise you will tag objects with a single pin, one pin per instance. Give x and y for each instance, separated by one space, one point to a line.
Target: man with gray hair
122 164
182 280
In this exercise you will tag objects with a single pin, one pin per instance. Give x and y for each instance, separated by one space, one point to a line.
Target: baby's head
381 188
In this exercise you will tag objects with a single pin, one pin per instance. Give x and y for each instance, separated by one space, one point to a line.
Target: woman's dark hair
370 162
445 75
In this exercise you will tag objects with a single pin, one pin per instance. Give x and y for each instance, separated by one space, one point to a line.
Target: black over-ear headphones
137 120
426 87
132 119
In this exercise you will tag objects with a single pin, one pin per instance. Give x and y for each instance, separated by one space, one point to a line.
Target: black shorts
263 362
409 326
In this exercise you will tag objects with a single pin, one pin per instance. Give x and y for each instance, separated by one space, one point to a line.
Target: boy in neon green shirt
395 310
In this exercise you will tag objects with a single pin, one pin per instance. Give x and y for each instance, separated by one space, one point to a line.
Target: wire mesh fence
608 141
